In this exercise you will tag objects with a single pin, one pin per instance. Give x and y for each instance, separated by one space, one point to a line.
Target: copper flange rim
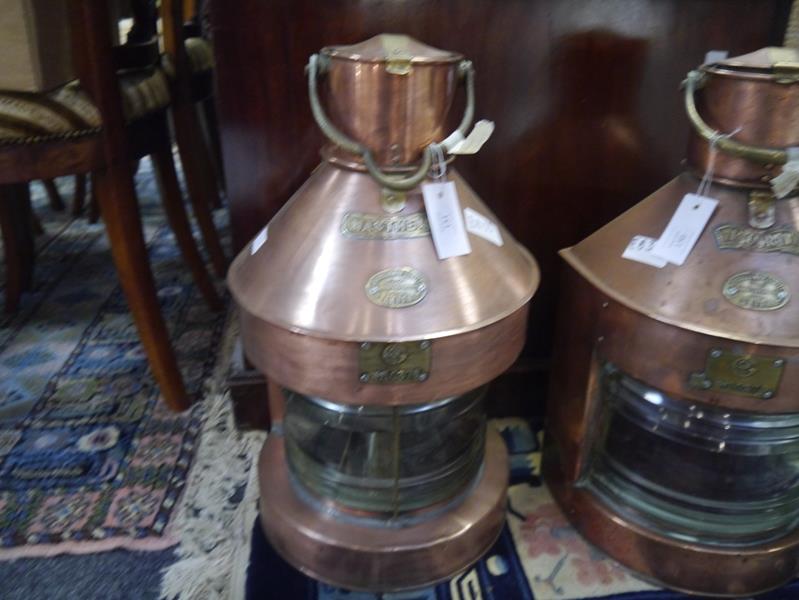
359 557
681 566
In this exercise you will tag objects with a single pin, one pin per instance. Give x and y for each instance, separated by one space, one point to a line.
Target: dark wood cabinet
584 94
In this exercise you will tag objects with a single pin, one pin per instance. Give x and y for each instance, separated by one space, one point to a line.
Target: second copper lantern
673 441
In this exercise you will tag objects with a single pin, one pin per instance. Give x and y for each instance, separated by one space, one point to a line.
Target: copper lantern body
673 431
382 475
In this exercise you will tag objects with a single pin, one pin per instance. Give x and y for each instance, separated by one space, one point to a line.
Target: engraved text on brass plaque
394 362
739 374
756 290
737 237
396 288
365 226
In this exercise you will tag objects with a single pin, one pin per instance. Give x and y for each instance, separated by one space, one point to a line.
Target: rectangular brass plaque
738 237
394 362
739 374
365 226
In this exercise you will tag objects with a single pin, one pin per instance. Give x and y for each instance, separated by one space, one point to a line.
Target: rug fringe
216 515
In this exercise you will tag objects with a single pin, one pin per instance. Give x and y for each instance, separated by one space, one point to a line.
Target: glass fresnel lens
673 435
387 461
382 475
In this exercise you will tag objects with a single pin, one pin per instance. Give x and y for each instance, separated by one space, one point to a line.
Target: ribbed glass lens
695 472
385 459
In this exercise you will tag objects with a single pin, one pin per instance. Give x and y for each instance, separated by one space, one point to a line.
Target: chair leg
120 211
179 221
80 194
56 203
200 179
94 204
16 221
212 127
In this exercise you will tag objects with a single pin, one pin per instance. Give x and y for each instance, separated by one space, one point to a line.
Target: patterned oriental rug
90 458
538 556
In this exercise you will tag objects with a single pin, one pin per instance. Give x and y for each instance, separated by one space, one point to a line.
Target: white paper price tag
482 226
640 249
259 240
714 56
475 140
446 219
685 227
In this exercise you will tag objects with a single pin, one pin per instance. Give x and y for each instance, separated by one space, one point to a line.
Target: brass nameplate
396 288
364 226
394 362
756 290
739 374
737 237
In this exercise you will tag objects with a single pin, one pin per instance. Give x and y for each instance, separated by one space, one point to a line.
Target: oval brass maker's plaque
756 290
365 226
396 288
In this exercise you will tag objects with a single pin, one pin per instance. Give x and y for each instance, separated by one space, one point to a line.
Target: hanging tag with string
444 210
692 214
786 182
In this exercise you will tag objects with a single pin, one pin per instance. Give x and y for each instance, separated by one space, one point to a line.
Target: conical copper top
336 266
738 282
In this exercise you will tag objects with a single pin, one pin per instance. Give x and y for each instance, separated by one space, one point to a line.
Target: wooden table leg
120 213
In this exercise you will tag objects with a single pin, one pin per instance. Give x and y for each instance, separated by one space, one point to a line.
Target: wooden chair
190 62
101 127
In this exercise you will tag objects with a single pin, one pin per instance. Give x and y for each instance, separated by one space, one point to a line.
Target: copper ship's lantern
382 475
673 441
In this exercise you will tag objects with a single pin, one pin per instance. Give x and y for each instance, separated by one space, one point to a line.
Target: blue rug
90 458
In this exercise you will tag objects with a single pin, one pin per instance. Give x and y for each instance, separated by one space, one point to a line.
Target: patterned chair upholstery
67 111
200 53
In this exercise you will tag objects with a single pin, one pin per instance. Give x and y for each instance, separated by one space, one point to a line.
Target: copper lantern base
342 549
689 568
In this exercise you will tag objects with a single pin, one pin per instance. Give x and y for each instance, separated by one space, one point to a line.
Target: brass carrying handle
773 156
394 182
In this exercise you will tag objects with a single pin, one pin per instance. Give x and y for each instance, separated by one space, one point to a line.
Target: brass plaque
364 226
394 362
737 237
739 374
756 290
396 288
